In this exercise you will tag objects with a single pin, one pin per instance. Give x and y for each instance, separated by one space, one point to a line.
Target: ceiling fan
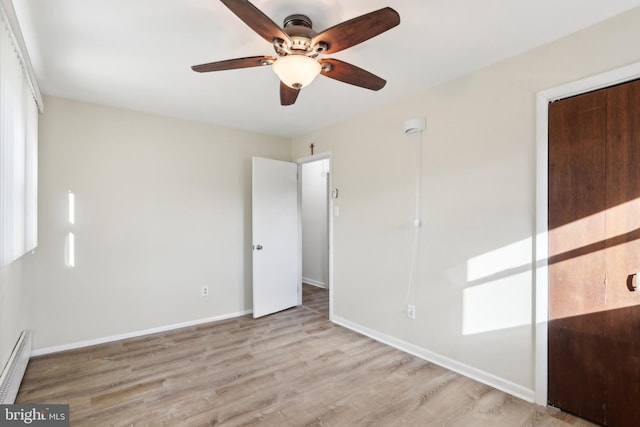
298 47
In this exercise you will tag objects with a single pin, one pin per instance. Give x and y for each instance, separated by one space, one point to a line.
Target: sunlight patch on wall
508 257
498 304
70 241
70 253
72 207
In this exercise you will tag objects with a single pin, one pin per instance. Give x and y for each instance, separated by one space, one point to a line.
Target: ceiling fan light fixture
296 71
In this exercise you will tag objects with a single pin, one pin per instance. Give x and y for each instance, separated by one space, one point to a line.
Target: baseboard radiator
13 372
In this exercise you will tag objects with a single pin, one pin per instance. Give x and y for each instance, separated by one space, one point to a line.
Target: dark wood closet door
623 255
577 203
594 231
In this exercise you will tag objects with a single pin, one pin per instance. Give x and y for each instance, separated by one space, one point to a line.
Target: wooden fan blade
288 95
258 21
232 64
357 30
347 73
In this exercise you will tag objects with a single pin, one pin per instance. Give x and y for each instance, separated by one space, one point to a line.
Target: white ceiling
137 54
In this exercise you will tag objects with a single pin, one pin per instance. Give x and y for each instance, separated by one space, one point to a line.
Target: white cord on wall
416 126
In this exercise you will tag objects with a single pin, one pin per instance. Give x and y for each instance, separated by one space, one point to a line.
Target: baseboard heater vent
13 372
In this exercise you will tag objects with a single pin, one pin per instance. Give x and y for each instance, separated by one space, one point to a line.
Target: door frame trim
541 242
300 162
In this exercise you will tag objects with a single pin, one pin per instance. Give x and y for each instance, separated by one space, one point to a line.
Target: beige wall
478 201
162 209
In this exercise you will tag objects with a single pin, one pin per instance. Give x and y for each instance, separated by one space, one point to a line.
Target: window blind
18 146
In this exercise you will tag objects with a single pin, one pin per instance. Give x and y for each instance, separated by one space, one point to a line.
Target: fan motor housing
299 29
298 25
297 19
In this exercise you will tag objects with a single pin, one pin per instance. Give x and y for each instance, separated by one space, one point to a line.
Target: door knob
632 282
258 247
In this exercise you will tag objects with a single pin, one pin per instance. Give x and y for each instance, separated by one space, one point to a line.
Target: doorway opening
315 227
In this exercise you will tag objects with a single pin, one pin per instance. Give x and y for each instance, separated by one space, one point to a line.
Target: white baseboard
135 334
314 283
453 365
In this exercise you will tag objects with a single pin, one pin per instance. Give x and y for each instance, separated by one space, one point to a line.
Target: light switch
336 211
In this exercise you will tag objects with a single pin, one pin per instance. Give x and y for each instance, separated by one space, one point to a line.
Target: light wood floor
293 368
315 299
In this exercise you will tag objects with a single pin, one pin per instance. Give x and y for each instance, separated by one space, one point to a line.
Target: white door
276 272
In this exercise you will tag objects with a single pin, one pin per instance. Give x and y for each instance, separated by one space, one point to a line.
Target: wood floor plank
293 368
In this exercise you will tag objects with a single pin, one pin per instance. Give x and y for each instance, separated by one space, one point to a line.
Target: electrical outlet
411 311
205 291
